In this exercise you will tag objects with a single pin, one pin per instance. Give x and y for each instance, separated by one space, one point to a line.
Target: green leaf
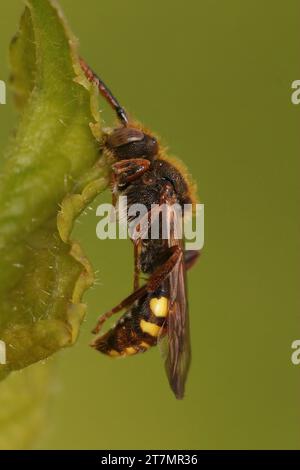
23 415
52 163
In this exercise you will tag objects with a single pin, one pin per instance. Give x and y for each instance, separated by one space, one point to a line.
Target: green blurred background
214 79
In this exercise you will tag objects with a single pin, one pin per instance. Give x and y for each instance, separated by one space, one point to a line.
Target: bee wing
178 351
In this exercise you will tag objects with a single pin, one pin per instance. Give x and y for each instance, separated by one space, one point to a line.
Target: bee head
130 142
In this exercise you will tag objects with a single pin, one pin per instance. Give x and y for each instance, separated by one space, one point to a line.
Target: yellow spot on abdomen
145 345
159 306
113 353
150 328
129 351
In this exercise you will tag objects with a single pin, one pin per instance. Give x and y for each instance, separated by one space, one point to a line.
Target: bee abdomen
136 331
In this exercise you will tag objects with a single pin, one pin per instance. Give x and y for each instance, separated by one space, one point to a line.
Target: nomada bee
156 312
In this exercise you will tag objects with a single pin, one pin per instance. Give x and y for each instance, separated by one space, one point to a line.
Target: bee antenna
105 92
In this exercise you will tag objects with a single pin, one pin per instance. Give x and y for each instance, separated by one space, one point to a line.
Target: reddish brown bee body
158 309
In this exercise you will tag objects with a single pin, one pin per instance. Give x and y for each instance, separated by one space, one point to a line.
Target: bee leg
125 303
105 92
163 271
153 283
127 171
137 248
114 189
190 258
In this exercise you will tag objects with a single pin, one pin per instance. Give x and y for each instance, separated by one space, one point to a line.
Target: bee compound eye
123 136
